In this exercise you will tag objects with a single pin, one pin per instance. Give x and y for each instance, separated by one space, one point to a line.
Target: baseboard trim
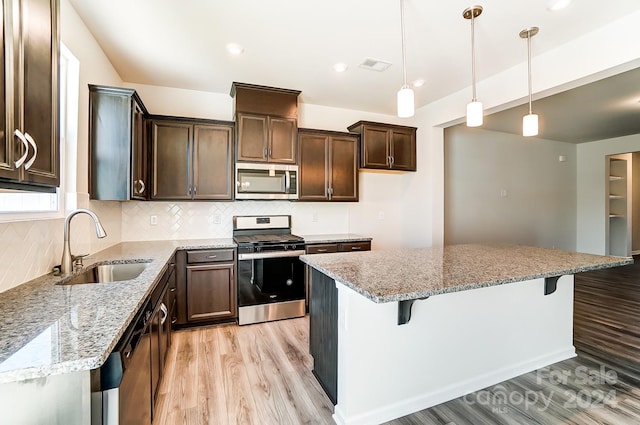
430 399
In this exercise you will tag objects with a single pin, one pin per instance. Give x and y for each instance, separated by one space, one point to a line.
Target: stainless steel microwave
266 181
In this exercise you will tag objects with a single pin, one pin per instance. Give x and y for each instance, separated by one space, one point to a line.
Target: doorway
623 204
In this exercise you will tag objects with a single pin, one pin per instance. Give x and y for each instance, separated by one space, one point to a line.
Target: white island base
453 344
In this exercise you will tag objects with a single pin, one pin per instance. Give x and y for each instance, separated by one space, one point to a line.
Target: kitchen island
394 332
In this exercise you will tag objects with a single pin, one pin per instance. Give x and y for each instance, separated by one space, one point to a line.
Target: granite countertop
50 329
406 274
334 238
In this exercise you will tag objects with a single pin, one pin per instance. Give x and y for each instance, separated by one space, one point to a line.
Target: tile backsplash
193 220
31 248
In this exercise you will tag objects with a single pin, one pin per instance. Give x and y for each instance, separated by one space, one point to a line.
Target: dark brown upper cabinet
118 144
386 146
328 166
191 159
30 142
267 124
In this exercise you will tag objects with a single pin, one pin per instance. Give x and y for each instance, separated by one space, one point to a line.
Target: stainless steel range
270 276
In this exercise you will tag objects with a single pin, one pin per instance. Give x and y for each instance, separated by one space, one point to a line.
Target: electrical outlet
217 218
314 217
380 215
153 220
504 193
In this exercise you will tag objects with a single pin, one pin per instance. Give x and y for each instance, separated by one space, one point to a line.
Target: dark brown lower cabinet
160 325
206 286
323 332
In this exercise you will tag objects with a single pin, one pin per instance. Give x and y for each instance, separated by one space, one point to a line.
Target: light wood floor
258 374
261 374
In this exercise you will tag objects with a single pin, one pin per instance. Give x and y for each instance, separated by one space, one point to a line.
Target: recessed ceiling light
418 83
554 5
340 67
235 48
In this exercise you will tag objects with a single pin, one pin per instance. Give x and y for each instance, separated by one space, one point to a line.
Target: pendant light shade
474 108
530 125
474 114
529 121
405 102
405 94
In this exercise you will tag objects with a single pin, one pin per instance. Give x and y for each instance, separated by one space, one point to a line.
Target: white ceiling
294 43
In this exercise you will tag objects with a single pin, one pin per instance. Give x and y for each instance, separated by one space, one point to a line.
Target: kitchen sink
105 273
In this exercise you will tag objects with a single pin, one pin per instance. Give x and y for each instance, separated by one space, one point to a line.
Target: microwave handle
287 181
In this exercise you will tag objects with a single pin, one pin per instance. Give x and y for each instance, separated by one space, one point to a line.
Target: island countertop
50 329
406 274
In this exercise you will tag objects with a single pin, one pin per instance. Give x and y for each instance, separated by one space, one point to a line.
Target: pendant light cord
473 57
404 52
529 69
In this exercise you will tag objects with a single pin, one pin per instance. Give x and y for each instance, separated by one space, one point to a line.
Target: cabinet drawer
210 255
322 248
354 246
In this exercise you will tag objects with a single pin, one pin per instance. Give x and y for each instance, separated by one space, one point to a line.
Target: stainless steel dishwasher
121 388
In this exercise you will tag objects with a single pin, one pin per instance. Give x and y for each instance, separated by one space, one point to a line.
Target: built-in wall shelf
618 211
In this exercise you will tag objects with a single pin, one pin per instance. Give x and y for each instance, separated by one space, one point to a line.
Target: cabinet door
10 146
39 90
403 149
213 162
171 160
109 144
282 140
139 158
252 138
343 166
211 292
156 368
313 172
375 147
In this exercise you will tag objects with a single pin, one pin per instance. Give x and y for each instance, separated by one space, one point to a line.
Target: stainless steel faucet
66 265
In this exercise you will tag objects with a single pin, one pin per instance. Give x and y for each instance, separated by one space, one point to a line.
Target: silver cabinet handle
163 309
174 320
212 256
321 250
189 190
393 160
330 191
142 187
20 136
265 152
356 248
35 151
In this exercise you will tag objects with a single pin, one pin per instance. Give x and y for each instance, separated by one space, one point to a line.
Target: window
16 205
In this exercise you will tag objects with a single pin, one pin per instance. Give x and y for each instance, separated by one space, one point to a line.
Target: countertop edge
308 259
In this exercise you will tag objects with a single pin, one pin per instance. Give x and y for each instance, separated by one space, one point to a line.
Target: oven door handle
275 254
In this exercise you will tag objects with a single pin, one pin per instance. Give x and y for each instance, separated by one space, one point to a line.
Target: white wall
601 53
32 248
591 236
538 205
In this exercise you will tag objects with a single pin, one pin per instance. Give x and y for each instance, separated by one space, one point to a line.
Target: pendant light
529 121
405 94
474 108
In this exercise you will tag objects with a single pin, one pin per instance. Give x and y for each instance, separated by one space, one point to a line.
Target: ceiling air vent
375 64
